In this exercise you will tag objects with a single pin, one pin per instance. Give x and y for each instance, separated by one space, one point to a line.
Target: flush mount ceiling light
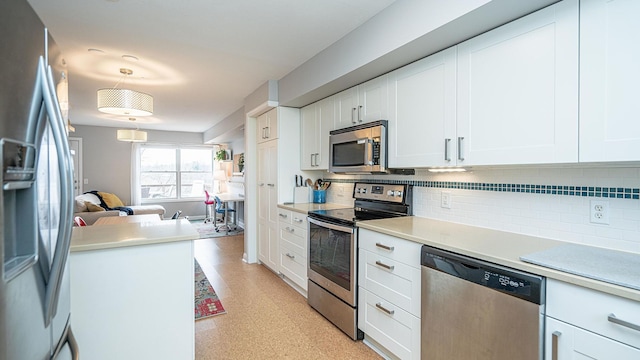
124 102
131 135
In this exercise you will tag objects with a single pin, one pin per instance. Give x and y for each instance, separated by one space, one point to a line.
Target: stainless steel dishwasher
472 309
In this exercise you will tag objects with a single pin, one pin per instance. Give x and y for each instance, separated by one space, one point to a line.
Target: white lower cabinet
581 324
389 293
292 230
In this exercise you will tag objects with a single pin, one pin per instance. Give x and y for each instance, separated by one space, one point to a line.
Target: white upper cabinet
609 76
316 122
422 112
363 103
268 126
518 91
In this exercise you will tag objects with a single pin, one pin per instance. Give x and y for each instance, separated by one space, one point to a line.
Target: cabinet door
272 124
308 136
422 112
566 342
325 120
518 91
262 128
346 108
609 75
372 100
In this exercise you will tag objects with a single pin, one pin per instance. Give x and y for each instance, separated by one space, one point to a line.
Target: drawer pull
297 220
290 229
612 318
284 216
290 256
555 337
380 263
382 246
379 306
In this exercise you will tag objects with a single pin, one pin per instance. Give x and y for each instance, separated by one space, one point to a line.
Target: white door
609 77
325 120
422 112
308 137
518 91
346 108
75 145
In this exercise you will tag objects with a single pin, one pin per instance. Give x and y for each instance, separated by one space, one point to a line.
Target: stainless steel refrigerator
37 186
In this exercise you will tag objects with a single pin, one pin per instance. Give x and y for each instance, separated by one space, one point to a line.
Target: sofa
93 205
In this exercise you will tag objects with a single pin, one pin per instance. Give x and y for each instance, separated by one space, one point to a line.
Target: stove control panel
383 192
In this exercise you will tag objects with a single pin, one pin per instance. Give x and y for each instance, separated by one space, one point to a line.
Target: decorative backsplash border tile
564 190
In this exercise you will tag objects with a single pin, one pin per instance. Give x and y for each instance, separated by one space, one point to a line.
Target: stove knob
398 193
363 190
389 192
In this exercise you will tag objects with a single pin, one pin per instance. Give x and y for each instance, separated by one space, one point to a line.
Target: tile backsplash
547 202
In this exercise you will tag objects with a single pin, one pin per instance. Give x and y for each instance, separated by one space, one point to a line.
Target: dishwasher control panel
514 282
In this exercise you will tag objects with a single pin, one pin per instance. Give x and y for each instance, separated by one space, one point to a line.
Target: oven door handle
324 224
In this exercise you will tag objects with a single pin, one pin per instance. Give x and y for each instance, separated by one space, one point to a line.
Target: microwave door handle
368 155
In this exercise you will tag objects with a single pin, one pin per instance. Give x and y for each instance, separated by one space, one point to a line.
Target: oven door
332 258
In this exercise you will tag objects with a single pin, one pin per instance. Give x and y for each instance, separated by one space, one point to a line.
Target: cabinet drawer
293 263
590 310
284 216
394 248
394 281
295 236
395 329
299 220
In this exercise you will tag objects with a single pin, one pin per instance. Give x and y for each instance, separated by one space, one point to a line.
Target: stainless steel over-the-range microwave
359 149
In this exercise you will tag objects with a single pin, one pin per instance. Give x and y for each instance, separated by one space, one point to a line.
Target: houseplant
241 163
221 155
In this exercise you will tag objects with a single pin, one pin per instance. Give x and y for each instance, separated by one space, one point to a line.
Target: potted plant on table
241 163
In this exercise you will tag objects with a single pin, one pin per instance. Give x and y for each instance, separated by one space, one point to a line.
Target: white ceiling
198 58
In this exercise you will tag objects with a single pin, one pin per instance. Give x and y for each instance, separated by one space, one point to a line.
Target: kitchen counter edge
500 247
304 208
99 237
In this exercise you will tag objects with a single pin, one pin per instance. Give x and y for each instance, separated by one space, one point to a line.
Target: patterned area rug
209 230
207 302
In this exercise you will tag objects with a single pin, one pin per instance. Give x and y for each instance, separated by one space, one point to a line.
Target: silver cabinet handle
290 229
297 220
272 185
386 247
379 306
311 161
284 216
555 336
353 118
268 132
612 318
360 113
460 138
381 264
261 184
290 256
446 150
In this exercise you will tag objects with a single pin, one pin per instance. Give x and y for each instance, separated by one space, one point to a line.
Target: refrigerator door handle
66 190
67 338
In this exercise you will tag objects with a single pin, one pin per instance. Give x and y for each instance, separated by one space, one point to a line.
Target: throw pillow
93 207
111 200
80 206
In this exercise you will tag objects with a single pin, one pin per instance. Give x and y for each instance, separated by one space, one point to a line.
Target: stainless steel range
333 250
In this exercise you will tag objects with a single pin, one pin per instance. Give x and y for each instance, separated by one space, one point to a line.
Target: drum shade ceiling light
124 102
131 135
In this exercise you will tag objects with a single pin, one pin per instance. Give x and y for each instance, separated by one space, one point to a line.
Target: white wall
561 217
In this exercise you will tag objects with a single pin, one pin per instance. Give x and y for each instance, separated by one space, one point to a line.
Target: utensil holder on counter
319 196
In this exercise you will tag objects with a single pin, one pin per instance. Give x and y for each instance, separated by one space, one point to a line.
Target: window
173 172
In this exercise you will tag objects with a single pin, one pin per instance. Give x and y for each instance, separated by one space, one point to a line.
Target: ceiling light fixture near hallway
124 102
131 135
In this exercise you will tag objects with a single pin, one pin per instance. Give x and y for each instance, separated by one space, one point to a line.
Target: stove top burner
373 201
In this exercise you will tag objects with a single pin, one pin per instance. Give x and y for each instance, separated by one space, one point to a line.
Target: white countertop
87 238
306 207
495 246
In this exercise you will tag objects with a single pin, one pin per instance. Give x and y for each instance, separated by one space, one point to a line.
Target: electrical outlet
445 200
599 212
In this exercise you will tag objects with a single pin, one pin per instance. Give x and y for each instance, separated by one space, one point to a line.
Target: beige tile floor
265 319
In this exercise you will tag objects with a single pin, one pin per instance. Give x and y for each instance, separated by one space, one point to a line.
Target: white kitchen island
132 290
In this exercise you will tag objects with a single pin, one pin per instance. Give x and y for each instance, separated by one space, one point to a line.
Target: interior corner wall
107 163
